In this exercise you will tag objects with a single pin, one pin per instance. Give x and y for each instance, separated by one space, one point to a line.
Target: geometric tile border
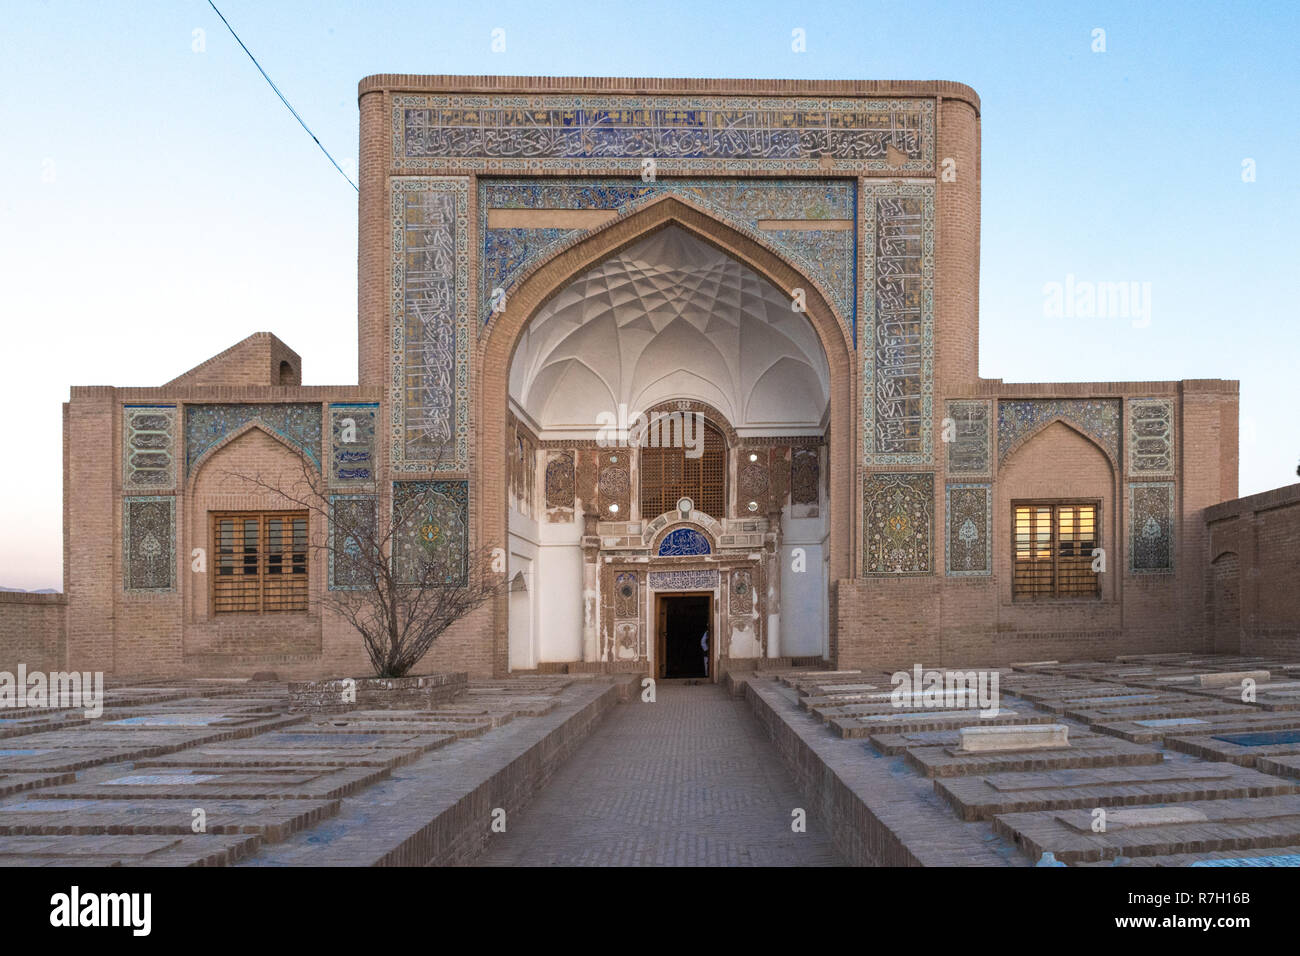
612 132
429 306
896 330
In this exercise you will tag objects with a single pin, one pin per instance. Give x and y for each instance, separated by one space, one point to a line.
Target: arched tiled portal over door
817 329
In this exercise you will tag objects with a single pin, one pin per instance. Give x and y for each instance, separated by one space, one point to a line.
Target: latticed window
261 562
668 474
1053 544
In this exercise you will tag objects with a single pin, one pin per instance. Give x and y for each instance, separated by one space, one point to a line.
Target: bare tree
399 575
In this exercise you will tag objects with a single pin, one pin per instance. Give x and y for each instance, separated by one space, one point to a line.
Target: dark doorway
684 624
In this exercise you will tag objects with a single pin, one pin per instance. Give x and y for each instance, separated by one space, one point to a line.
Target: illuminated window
260 562
1052 544
667 475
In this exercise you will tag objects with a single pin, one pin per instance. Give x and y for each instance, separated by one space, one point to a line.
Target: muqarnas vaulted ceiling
671 317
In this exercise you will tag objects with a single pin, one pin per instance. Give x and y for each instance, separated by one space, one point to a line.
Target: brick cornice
446 83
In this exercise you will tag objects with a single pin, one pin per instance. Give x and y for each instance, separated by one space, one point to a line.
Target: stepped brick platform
1288 856
197 784
1196 827
1192 722
982 797
18 782
1168 706
124 788
1224 790
438 809
271 820
887 719
1186 774
878 812
1084 750
1240 748
1281 765
1269 695
258 752
127 850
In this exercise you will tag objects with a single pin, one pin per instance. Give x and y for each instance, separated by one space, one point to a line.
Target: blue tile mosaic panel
1019 419
896 331
1151 527
149 543
148 447
968 548
1150 438
352 444
898 523
684 541
970 450
206 426
430 324
551 132
354 525
432 519
827 256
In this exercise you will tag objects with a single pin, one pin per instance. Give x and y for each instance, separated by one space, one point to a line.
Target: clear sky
158 203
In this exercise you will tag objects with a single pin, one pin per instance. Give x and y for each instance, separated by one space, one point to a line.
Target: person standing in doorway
704 646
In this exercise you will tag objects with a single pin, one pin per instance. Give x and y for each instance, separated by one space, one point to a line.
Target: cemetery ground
1138 762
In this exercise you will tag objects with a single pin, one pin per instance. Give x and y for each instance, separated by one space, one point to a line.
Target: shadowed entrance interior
684 622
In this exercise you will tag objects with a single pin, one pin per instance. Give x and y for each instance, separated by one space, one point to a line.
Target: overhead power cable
283 100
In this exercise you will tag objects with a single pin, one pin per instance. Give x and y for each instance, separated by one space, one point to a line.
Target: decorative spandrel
1020 419
826 255
206 426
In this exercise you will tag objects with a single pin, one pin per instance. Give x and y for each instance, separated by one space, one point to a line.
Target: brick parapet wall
32 631
1252 557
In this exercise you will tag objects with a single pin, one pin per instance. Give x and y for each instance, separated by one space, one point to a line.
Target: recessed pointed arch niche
666 307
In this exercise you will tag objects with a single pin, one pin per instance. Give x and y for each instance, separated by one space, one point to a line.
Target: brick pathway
687 781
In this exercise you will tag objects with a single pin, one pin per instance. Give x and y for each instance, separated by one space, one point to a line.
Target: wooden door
661 636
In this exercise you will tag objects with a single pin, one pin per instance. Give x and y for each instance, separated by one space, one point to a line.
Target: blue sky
159 204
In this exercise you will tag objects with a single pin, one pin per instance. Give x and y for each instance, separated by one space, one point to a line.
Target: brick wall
32 631
1252 560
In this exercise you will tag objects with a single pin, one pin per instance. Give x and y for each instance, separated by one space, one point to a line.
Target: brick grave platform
1180 760
1168 760
261 785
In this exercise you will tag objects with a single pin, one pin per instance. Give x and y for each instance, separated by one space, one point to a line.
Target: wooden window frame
1056 595
692 486
270 592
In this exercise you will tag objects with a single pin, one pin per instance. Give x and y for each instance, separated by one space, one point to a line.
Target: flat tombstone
1029 737
1232 677
1153 816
